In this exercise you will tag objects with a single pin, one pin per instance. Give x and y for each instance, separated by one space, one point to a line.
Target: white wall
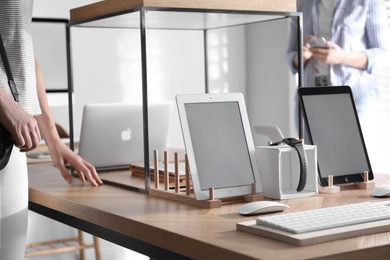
107 68
257 67
272 87
227 63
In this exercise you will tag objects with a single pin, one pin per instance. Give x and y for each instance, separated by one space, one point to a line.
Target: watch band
298 146
303 163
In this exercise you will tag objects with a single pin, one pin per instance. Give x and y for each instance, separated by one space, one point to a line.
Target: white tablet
219 144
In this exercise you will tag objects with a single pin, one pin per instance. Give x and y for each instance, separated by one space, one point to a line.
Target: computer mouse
381 191
261 207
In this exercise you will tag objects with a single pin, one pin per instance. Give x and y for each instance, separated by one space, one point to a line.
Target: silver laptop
112 133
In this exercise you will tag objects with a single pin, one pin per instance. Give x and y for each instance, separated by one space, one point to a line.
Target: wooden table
168 230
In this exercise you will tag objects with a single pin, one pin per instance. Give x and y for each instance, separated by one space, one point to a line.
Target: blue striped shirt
357 25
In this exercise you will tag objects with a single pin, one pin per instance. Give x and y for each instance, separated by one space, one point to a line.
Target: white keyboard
326 218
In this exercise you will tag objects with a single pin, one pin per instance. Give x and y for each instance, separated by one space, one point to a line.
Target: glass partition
153 54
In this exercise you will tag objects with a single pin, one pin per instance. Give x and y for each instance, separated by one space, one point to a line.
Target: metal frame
143 35
70 88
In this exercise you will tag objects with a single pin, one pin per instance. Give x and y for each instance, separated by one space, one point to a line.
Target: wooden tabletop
152 223
110 7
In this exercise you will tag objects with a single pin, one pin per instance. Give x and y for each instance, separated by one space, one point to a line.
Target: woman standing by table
26 121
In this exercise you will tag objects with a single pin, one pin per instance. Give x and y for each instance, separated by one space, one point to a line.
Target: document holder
280 170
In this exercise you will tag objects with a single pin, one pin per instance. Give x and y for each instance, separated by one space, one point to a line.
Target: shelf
181 19
114 7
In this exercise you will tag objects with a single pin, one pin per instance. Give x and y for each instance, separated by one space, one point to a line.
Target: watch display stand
185 193
366 184
280 171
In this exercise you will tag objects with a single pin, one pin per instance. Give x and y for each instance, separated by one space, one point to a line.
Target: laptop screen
112 134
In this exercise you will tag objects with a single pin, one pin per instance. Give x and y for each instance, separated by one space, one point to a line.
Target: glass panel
253 59
182 19
49 36
199 21
246 52
129 20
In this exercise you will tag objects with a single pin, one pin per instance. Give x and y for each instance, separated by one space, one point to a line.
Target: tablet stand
186 194
365 185
330 188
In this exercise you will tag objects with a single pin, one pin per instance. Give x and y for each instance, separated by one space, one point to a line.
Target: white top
325 18
15 22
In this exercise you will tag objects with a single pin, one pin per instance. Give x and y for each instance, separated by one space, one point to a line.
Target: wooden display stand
330 188
365 185
186 194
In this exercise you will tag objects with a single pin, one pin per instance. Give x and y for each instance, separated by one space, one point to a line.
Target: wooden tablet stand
330 188
186 194
365 185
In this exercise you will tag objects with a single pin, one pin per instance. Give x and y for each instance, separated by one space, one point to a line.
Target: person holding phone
26 121
341 42
355 33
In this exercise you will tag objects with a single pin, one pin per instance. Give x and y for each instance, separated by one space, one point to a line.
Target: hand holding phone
318 43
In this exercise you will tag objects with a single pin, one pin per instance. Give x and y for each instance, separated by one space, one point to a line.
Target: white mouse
381 191
261 207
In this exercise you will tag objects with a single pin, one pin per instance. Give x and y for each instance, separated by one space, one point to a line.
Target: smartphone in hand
318 43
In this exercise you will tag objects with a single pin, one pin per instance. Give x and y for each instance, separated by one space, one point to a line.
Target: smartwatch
298 145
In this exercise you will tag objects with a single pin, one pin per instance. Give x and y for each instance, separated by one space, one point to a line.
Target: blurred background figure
342 40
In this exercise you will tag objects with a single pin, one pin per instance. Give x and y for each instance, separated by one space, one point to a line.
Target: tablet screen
333 126
219 144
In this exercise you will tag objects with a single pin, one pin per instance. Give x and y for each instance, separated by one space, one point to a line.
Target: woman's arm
59 152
